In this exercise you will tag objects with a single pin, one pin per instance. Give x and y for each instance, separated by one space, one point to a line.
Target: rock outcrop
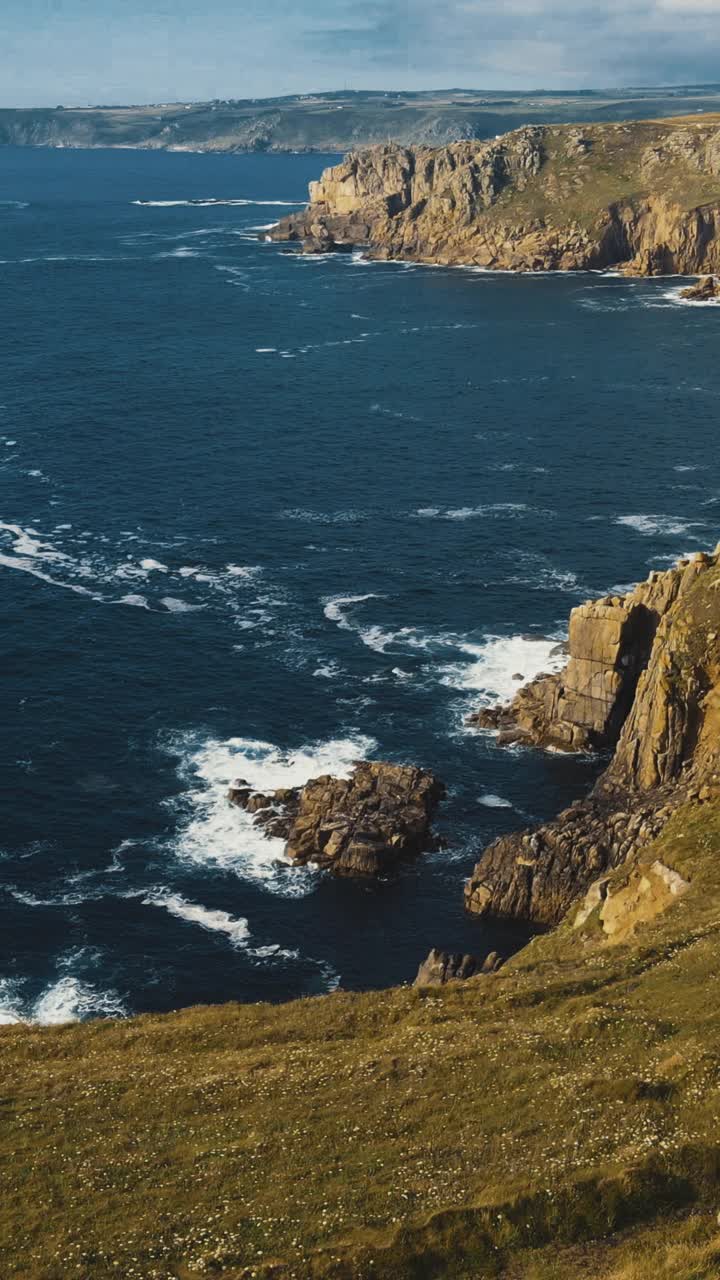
361 825
623 903
663 718
440 967
584 707
645 196
707 289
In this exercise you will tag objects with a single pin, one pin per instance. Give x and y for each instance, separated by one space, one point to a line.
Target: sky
77 52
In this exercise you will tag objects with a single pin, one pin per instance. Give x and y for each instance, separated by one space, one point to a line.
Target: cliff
643 678
642 195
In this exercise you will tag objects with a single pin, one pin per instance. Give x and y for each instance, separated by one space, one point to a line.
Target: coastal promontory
640 196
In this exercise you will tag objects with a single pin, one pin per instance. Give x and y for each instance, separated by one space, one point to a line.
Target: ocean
263 515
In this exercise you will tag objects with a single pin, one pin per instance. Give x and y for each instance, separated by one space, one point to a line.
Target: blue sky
81 51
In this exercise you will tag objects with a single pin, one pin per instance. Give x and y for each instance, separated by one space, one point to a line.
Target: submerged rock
361 825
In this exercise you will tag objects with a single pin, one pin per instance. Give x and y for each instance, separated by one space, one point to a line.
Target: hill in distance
338 121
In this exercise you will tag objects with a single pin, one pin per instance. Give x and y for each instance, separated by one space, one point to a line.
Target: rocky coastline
642 197
641 685
642 681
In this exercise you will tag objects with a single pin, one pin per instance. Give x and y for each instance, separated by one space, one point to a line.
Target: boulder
361 825
707 289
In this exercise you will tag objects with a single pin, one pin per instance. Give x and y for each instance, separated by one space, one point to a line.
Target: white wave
265 351
327 670
27 566
173 605
510 510
336 608
149 565
10 1002
135 601
66 1000
28 542
210 201
182 251
658 526
71 899
501 665
495 802
70 1000
537 574
217 833
236 929
243 570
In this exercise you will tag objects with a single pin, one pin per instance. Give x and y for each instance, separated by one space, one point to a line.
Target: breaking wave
659 526
69 999
213 832
210 202
500 665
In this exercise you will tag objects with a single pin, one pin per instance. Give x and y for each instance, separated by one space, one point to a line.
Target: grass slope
554 1121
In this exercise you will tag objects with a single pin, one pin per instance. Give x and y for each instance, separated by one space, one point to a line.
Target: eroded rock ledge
643 677
361 825
642 195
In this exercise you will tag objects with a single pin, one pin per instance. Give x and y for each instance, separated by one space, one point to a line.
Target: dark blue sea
264 515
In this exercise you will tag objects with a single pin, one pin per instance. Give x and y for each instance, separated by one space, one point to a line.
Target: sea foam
213 832
500 665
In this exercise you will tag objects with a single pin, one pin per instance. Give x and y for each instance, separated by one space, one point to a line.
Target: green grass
496 1128
611 173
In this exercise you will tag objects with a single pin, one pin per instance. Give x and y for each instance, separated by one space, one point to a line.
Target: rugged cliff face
645 195
643 677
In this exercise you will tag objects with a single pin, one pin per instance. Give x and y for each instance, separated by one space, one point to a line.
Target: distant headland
339 121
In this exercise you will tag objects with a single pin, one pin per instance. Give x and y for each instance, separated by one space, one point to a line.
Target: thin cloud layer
77 51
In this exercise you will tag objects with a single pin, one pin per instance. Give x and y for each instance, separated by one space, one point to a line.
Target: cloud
483 43
145 50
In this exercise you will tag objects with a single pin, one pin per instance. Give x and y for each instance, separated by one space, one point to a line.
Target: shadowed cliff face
643 195
643 677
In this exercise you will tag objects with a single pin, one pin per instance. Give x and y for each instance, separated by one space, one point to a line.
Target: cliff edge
643 679
641 195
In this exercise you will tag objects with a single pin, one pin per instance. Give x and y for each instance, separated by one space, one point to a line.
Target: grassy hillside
555 1121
